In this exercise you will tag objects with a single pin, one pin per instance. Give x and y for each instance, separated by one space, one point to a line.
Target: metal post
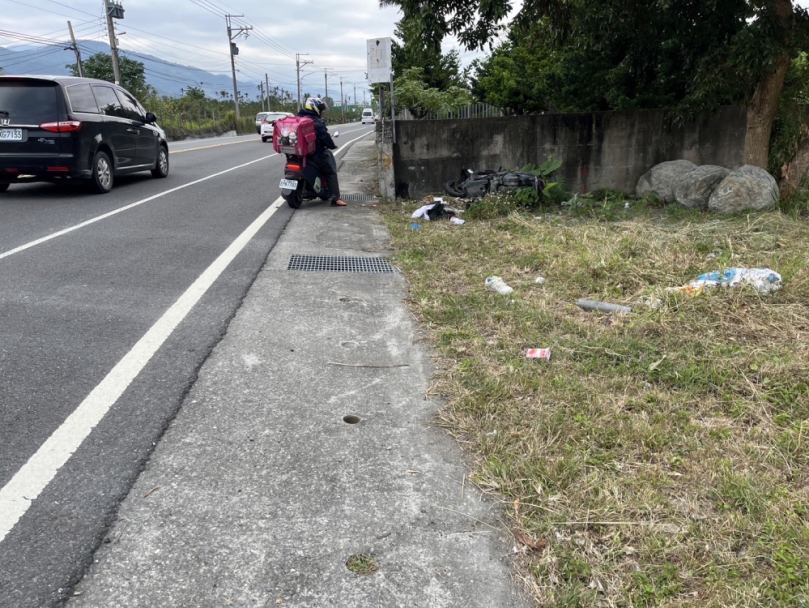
392 110
76 50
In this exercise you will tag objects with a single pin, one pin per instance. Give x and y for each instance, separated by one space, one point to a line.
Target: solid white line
19 493
44 239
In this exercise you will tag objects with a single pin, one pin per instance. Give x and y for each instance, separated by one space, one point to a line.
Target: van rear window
28 102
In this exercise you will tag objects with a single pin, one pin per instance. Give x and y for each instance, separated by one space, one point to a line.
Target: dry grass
659 458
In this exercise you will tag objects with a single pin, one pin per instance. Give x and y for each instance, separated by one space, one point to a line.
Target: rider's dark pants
321 161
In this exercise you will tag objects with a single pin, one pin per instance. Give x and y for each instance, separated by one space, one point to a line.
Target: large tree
133 73
694 54
412 49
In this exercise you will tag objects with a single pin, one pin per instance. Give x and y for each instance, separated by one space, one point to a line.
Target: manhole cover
358 198
338 263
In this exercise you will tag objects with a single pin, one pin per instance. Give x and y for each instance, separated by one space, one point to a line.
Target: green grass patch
661 456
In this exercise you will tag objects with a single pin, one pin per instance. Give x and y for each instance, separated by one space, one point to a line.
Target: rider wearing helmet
314 109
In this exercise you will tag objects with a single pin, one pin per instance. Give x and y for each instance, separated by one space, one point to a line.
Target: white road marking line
124 208
232 143
19 493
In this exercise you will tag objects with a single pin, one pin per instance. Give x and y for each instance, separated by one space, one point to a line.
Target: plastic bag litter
762 280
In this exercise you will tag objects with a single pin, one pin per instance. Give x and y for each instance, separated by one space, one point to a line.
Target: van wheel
103 174
264 139
161 168
3 187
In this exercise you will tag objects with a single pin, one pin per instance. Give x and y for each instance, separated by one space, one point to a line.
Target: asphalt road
74 307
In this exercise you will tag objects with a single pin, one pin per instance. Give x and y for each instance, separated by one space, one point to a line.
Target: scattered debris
602 306
456 220
762 280
538 353
652 302
540 280
415 226
149 493
531 543
497 284
435 211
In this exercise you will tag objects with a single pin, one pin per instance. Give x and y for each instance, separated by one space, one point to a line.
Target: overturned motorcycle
477 184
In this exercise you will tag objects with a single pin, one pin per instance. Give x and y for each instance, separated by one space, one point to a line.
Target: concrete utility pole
267 82
260 88
342 101
234 50
114 10
298 71
76 50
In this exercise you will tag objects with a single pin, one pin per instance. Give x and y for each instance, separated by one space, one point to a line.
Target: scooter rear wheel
295 200
453 189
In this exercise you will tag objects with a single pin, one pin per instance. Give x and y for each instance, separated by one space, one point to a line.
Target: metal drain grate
338 263
358 198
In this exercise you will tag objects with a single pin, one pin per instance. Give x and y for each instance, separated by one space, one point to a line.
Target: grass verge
659 458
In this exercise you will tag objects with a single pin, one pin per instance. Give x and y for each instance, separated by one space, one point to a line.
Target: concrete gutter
259 492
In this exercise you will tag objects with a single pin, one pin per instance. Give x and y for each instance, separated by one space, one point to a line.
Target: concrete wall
599 150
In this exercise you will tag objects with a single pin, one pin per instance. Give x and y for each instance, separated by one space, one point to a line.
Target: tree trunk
764 105
794 171
761 114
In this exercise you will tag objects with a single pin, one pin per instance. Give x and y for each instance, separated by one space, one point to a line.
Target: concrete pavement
260 491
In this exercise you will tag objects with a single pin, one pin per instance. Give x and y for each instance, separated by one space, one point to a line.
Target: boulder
695 187
746 188
663 177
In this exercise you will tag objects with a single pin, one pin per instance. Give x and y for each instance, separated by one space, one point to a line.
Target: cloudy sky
330 33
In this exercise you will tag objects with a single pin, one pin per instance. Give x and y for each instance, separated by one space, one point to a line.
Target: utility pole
267 82
260 88
342 100
234 50
114 10
76 50
298 71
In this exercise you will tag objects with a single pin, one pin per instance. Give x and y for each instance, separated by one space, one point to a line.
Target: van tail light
294 168
66 126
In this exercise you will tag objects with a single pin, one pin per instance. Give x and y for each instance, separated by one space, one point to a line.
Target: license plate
289 184
11 134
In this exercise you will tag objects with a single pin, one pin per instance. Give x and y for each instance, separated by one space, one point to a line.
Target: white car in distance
267 124
368 116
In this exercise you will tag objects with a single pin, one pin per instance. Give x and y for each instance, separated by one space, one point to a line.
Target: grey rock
746 188
696 187
662 178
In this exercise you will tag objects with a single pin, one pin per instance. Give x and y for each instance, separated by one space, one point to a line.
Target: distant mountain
167 77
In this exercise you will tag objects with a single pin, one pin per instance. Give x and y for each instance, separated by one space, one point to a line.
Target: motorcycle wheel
453 189
294 200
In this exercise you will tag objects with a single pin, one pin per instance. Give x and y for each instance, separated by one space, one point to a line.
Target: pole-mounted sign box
379 60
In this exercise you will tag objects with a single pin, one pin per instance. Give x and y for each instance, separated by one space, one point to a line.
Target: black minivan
66 129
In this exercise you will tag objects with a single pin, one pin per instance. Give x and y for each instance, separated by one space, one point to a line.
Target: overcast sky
332 33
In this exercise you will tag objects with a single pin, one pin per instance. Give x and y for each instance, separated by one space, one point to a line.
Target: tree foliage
412 93
133 76
582 55
439 70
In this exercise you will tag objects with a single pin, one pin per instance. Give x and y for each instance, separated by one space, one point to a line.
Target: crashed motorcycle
303 182
477 184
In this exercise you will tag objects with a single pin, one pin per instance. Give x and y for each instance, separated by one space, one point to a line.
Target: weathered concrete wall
598 150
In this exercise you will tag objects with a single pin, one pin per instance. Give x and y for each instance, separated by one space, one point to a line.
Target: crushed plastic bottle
497 284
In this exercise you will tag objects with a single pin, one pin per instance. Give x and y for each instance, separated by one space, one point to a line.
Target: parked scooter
303 182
